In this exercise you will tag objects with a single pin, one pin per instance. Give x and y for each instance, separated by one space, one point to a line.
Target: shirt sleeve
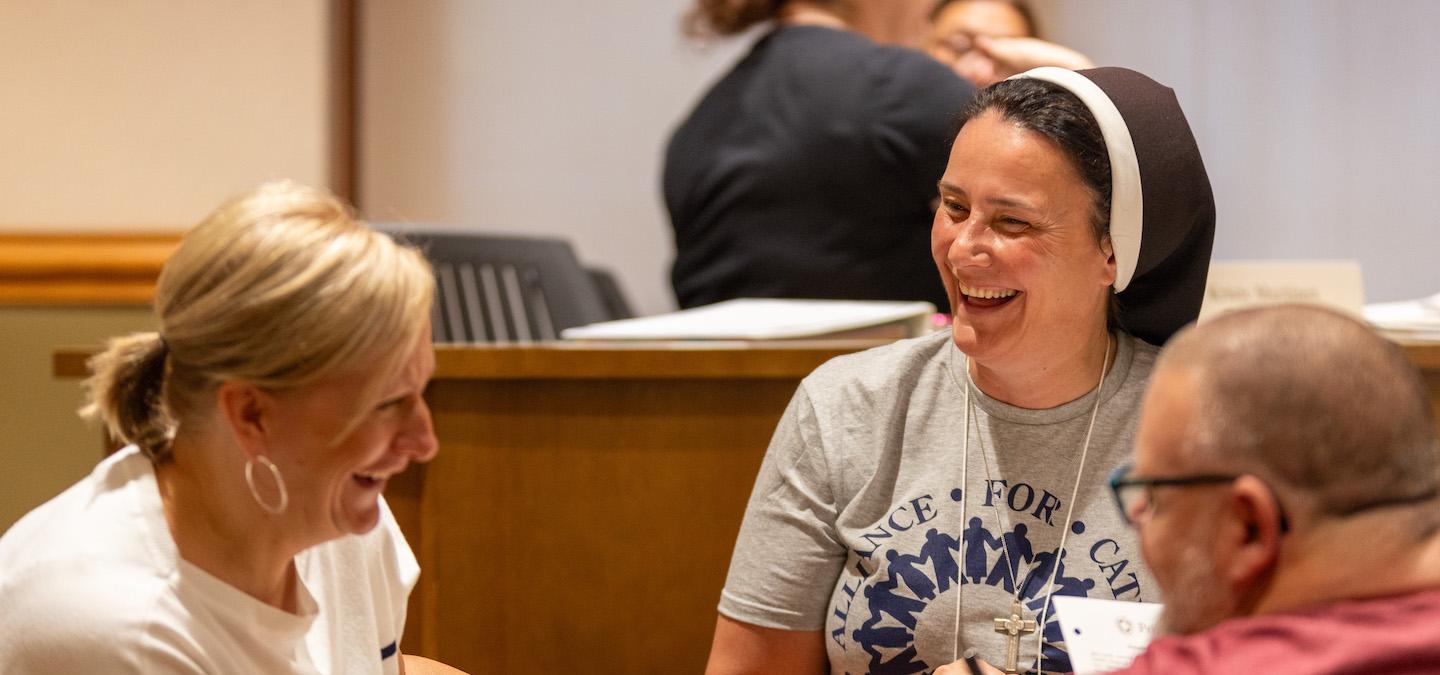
395 576
788 555
82 618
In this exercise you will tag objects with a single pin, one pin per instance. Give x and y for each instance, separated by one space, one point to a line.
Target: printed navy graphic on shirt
903 575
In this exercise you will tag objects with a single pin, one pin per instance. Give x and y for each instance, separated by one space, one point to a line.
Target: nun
934 496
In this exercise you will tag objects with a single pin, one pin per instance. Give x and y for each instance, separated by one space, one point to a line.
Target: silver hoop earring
279 484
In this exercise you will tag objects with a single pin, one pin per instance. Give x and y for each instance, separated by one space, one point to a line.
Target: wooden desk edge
599 361
628 361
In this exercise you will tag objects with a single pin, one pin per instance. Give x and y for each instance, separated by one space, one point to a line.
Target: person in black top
809 170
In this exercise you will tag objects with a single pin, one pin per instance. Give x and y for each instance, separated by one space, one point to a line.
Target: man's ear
1259 525
246 410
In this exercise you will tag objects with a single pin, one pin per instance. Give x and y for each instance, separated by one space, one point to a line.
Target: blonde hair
279 287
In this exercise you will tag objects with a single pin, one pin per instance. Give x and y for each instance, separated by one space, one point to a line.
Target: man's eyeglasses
1129 489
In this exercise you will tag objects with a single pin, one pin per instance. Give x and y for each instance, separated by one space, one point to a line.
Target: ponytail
126 392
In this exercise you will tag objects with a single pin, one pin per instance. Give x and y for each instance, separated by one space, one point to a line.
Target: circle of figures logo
908 583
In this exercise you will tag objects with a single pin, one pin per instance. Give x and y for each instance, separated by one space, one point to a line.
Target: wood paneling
82 269
586 526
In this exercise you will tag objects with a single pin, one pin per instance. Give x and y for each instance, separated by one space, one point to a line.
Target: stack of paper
1410 319
755 319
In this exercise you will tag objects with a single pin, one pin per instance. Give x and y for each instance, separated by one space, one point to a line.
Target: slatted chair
508 289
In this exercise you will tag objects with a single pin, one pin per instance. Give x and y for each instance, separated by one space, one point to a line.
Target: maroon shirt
1399 634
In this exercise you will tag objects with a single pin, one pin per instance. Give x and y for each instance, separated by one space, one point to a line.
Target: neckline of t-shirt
244 607
1114 381
149 512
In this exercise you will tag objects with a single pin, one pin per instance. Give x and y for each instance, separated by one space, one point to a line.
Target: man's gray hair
1313 400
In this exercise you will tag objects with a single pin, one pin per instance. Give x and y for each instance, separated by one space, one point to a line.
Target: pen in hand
970 661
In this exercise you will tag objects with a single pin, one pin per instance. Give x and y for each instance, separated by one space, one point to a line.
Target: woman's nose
419 436
969 247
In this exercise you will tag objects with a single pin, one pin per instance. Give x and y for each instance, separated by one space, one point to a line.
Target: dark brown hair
719 18
1052 111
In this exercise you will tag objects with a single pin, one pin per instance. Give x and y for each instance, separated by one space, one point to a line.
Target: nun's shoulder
903 363
1142 357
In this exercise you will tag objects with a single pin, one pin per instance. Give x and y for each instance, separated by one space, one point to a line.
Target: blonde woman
242 530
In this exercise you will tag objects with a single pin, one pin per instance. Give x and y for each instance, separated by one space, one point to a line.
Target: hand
961 668
994 58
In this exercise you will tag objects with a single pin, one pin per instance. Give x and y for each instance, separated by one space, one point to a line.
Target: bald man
1284 485
1285 489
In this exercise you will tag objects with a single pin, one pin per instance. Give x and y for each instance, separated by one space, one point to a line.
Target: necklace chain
1004 545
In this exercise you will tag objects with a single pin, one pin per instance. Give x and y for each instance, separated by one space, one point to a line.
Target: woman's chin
963 334
358 521
359 511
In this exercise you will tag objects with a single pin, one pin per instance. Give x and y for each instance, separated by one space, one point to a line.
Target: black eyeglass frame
1120 479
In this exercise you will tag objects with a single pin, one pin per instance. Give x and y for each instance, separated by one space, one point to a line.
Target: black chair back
492 288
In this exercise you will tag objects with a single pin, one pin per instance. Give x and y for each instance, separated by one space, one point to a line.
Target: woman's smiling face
1014 242
335 481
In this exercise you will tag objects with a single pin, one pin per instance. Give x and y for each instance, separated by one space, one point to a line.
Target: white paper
1417 319
1104 635
757 319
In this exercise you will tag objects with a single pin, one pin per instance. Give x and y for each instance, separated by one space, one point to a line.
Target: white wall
148 113
1319 120
532 117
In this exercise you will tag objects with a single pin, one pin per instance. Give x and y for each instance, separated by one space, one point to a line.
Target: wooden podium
580 514
582 509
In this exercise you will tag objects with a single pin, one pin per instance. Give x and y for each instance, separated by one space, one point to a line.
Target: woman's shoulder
899 364
111 516
85 612
847 54
1142 358
907 72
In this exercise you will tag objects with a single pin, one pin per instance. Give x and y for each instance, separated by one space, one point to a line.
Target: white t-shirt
91 582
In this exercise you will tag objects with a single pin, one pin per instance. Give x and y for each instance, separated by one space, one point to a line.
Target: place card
1104 635
1234 284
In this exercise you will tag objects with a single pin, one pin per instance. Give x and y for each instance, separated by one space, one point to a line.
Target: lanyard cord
1005 548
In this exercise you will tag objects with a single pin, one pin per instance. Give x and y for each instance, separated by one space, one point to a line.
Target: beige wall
1316 118
149 112
540 118
139 114
44 447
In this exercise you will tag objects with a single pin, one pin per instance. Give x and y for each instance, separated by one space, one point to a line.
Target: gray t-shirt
858 525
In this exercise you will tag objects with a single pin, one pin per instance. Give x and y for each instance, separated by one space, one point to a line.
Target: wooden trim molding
652 361
82 268
344 55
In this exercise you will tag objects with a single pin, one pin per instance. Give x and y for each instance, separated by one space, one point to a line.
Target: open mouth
987 296
369 480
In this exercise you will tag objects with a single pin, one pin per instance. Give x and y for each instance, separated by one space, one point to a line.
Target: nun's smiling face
1027 280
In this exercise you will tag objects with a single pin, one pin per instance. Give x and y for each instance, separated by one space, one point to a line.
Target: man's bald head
1313 400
